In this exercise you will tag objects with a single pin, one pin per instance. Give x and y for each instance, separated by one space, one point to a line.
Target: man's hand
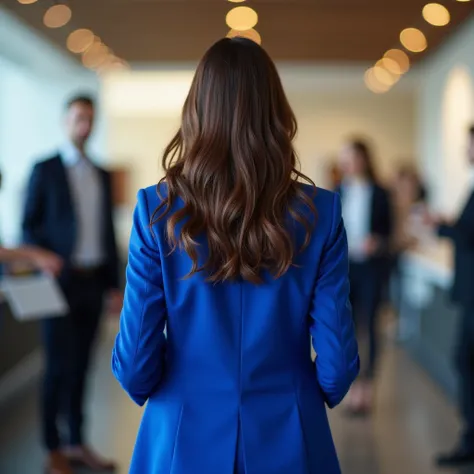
46 261
371 246
433 220
114 302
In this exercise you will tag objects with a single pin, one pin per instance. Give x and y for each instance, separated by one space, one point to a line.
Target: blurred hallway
413 420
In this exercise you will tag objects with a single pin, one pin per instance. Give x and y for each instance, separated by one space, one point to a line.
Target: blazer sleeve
33 214
462 231
139 352
331 323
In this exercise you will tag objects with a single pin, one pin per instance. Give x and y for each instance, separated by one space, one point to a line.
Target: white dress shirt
87 197
356 211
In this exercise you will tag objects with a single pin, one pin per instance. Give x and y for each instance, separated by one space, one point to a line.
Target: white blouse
356 211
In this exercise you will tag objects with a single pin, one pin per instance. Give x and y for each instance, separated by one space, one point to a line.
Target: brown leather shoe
57 463
85 456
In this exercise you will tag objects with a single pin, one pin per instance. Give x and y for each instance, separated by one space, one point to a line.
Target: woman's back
231 387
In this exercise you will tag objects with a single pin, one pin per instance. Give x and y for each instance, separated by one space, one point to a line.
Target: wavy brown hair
233 164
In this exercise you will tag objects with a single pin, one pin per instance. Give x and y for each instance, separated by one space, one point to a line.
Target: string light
399 57
373 84
79 40
57 16
251 34
242 18
436 14
413 40
95 55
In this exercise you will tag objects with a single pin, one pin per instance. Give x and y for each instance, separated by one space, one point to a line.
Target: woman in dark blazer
367 214
242 263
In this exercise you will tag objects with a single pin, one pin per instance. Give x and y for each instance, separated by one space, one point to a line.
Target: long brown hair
233 164
362 148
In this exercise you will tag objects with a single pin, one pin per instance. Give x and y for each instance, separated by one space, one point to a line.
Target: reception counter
428 320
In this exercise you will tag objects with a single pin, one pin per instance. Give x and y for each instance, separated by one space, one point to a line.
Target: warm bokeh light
436 14
27 2
237 1
252 34
391 66
413 40
399 57
95 55
242 18
373 84
57 16
79 40
464 0
383 76
112 64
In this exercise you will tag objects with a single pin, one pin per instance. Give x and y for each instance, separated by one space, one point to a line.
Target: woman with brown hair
241 263
367 214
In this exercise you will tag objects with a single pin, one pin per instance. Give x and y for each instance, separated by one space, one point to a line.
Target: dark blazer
381 217
462 235
49 219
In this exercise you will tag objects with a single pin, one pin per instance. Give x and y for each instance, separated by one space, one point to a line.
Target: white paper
34 297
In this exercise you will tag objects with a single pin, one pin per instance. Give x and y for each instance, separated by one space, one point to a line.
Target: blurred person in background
241 263
334 175
36 257
408 195
368 218
461 232
68 210
409 198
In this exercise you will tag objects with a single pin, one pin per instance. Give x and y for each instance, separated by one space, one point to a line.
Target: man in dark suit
69 211
461 232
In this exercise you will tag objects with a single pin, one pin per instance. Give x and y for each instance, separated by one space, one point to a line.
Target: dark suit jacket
381 218
50 222
462 235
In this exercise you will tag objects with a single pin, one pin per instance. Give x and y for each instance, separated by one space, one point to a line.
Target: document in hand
34 297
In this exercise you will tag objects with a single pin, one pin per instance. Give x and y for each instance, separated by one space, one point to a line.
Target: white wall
35 81
445 110
331 104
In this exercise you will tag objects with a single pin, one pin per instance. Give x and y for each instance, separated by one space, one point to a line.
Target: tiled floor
412 421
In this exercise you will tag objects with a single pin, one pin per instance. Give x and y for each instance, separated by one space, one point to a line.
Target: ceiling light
242 18
398 56
464 0
391 66
436 14
383 76
57 16
252 34
236 1
78 41
373 84
27 2
413 39
95 55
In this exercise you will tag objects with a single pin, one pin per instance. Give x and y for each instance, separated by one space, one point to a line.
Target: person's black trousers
465 367
367 280
68 344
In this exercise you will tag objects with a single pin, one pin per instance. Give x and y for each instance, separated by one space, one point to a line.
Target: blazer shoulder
323 199
328 207
47 163
149 198
318 195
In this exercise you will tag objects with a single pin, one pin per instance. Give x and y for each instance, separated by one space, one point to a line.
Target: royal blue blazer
230 385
